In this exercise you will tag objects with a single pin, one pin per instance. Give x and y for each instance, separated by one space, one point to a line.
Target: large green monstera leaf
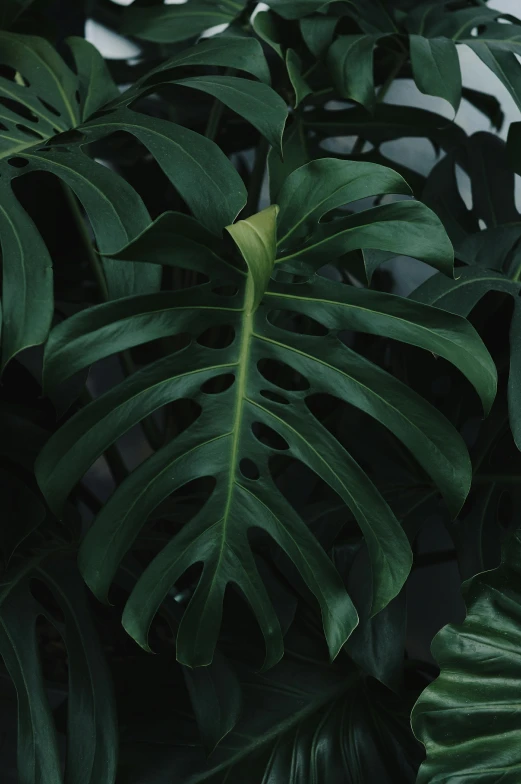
262 343
49 113
164 23
468 718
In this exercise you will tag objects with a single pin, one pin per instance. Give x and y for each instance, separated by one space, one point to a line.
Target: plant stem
382 92
112 454
214 119
113 457
257 177
94 258
216 112
153 434
150 429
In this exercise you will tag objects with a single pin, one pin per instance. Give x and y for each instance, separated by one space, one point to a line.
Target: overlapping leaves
248 412
49 113
308 721
161 24
491 253
92 724
433 31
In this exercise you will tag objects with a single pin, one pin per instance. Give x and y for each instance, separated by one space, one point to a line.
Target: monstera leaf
467 717
260 348
491 253
91 751
434 33
50 113
433 29
164 24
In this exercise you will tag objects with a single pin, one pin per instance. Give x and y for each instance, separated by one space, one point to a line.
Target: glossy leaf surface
466 718
221 442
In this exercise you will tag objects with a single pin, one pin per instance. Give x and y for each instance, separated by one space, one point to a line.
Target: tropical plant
235 434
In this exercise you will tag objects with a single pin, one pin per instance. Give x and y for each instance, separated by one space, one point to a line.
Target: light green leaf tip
256 238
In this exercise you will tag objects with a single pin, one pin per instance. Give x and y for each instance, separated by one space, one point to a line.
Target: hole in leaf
165 424
248 469
214 386
282 375
324 406
3 127
180 414
220 336
464 186
66 137
19 109
177 278
296 481
7 71
283 276
180 506
17 162
50 108
153 350
296 322
44 596
274 397
53 653
77 96
226 290
266 435
134 162
28 131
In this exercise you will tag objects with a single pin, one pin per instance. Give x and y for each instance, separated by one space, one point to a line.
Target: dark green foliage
226 438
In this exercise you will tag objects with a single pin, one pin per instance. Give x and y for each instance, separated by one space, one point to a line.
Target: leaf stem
112 454
214 119
94 258
150 429
257 177
113 457
382 92
216 112
153 435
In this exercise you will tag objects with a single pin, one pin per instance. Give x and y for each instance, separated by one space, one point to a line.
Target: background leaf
474 690
436 68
